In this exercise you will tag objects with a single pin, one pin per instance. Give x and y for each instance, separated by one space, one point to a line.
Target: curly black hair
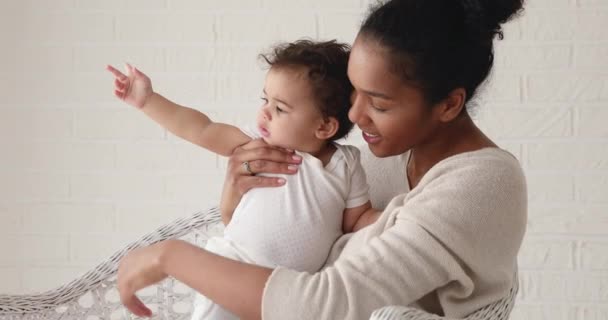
440 45
327 64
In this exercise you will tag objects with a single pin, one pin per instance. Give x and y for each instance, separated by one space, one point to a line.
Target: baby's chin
272 143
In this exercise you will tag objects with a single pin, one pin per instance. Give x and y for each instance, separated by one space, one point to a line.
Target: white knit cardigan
448 246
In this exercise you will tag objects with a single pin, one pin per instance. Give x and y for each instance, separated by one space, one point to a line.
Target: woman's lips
371 138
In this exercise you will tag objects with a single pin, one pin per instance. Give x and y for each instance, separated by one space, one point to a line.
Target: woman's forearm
234 285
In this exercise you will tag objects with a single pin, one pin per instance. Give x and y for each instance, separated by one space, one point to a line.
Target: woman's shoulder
488 153
485 189
473 201
483 166
482 185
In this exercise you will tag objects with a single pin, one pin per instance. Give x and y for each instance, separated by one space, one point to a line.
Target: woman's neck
461 135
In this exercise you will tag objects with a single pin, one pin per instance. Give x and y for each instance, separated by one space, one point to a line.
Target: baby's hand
133 89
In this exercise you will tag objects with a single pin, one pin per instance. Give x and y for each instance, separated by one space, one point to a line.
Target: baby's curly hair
327 63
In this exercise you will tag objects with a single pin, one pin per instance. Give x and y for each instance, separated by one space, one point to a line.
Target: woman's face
392 114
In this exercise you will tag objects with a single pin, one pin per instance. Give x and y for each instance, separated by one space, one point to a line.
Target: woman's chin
381 152
378 152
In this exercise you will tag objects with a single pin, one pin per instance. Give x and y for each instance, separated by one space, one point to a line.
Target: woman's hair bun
488 15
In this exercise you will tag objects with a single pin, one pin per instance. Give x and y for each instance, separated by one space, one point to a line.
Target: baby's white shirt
295 225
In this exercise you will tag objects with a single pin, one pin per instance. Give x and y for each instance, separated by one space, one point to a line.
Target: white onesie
294 225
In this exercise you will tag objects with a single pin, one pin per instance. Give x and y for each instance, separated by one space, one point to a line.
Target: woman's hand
260 158
139 269
134 88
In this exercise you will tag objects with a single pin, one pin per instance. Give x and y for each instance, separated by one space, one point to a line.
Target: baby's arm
186 123
194 126
359 217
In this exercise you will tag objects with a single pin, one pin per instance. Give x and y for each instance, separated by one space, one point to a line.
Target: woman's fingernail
281 181
291 167
296 157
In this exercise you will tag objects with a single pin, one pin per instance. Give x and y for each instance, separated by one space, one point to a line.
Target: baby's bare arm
355 219
194 126
135 88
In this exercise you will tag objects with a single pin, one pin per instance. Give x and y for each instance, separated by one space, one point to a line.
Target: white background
81 174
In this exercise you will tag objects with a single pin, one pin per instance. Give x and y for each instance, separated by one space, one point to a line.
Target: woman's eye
379 109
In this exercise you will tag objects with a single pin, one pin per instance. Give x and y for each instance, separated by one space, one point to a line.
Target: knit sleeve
400 266
457 233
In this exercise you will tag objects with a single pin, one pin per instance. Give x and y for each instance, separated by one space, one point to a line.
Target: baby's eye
279 110
264 99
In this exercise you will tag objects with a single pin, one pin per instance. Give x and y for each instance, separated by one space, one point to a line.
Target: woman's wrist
165 258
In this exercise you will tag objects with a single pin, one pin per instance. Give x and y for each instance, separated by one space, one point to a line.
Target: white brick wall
82 174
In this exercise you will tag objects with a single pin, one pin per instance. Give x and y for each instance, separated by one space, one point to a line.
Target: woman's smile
371 138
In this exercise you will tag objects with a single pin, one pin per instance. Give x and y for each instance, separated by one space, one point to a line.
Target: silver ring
248 168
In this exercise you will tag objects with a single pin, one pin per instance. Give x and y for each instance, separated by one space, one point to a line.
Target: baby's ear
327 128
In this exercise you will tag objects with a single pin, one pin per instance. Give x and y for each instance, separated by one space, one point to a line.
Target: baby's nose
266 114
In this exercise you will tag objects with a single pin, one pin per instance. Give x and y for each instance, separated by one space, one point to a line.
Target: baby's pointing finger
117 73
119 94
130 68
120 85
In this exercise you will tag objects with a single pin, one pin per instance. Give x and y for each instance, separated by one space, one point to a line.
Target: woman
447 243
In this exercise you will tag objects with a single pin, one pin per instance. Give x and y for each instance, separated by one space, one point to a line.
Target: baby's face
289 117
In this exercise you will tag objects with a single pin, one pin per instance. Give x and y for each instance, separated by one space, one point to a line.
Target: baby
306 99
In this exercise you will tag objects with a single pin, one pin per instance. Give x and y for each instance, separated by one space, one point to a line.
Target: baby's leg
204 308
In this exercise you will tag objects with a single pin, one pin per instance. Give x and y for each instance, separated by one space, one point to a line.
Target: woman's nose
356 109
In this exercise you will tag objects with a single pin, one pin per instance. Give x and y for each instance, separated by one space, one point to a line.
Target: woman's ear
451 106
327 128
